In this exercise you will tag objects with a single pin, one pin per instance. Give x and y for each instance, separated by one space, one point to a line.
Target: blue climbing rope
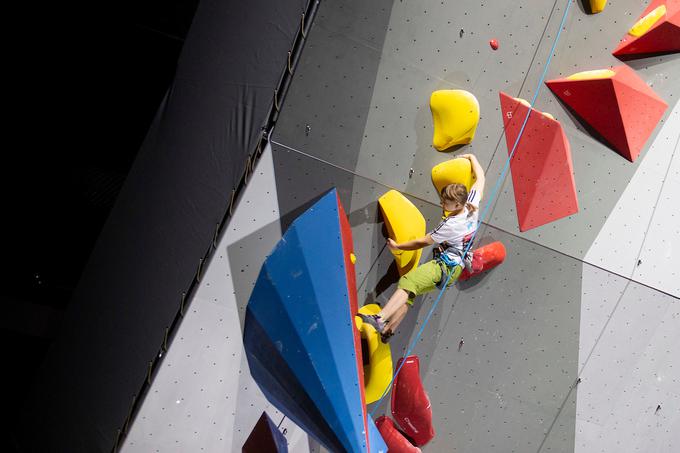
494 193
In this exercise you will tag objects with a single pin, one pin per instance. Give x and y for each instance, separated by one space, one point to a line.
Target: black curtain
161 225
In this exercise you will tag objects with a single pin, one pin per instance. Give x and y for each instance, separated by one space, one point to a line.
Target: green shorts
424 278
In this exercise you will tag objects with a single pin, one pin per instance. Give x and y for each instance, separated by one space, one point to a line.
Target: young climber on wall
453 235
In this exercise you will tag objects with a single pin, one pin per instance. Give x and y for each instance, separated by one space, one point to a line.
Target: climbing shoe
374 320
385 336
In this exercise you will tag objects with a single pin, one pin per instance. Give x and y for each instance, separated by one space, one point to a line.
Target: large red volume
484 259
662 37
411 406
395 440
542 170
621 108
348 249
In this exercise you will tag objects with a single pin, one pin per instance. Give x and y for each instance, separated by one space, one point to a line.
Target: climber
453 235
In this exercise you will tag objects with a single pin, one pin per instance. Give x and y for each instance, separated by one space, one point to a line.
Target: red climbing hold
542 171
395 440
494 44
620 107
484 259
411 406
265 438
654 33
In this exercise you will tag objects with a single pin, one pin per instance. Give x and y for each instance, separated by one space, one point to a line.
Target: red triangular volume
662 37
621 108
265 438
411 406
542 170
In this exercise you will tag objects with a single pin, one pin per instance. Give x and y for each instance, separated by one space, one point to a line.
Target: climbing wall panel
501 353
506 316
414 48
627 366
600 174
356 117
368 72
203 397
639 236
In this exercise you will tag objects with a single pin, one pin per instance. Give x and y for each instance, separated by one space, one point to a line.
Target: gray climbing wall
203 398
568 346
511 387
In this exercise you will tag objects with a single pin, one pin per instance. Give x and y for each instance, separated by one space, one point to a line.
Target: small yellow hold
597 6
455 114
592 75
526 103
353 258
378 372
523 102
404 223
643 25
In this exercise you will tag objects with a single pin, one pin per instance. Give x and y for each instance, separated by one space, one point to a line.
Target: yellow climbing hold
455 114
404 222
643 25
458 170
523 102
591 75
378 372
597 6
526 103
353 258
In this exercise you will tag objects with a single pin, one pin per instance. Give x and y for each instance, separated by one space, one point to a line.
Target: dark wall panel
161 225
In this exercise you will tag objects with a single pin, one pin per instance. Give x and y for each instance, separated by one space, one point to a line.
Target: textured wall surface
569 345
203 398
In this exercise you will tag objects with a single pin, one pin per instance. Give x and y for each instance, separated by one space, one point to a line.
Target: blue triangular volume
281 387
299 315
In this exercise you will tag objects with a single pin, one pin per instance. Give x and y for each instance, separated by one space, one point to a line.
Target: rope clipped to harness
450 264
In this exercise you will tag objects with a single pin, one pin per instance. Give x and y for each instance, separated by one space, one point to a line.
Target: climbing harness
447 264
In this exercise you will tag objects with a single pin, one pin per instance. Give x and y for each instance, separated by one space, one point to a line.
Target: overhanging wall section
163 224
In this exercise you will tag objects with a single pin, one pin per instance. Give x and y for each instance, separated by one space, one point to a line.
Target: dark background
84 86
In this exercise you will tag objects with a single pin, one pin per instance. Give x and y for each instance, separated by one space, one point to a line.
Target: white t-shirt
455 232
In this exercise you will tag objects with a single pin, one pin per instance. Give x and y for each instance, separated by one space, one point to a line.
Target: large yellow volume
458 170
404 222
377 357
597 6
455 114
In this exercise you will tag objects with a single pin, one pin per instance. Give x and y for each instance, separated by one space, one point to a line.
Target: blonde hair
455 192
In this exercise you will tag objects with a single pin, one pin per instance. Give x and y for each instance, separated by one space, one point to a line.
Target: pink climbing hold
395 440
494 44
483 259
411 406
